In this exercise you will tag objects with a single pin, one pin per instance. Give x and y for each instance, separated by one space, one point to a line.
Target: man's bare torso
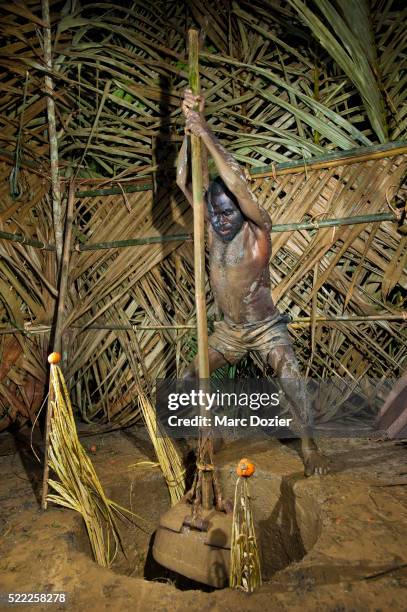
239 274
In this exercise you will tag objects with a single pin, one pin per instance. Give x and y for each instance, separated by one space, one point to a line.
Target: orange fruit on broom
54 358
245 468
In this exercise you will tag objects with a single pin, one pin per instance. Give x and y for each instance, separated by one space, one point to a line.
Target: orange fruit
54 358
245 468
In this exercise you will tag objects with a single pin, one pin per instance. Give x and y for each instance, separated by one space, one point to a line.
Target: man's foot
314 462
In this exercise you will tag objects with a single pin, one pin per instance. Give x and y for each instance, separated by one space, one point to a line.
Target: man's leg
284 362
216 360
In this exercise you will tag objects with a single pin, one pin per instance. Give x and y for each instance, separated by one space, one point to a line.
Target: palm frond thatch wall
360 271
283 81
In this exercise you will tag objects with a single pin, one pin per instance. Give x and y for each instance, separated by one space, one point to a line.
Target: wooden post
58 330
199 217
64 271
56 207
52 134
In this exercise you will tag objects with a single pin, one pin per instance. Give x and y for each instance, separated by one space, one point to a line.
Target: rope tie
206 467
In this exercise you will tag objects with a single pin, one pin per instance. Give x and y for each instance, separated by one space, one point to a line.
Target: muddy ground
336 543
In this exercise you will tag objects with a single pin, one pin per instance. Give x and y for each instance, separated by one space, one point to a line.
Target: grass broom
78 487
167 454
245 572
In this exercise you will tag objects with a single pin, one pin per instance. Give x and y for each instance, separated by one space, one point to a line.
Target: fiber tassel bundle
167 454
245 572
79 487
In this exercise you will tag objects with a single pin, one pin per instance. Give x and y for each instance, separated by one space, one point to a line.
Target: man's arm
228 168
234 179
183 171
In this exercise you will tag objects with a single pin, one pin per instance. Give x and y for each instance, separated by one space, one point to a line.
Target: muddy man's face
225 217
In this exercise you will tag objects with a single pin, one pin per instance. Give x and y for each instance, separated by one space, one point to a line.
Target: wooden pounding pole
199 217
205 491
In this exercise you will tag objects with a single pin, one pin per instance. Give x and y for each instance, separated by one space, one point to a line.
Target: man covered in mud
239 253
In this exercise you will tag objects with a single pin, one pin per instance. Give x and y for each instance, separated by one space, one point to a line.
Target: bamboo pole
96 246
301 322
57 339
52 134
133 327
115 190
333 160
56 206
309 225
278 227
199 218
24 240
63 281
296 323
343 158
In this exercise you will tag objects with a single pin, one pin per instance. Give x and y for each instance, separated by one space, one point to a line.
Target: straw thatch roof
284 81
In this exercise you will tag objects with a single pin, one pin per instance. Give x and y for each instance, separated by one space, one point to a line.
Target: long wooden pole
58 330
278 227
25 240
199 217
324 162
56 208
205 493
52 135
341 158
64 271
296 323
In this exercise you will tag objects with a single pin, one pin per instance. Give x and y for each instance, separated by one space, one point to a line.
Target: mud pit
336 543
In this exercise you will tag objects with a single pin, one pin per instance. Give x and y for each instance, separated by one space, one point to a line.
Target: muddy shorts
235 341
